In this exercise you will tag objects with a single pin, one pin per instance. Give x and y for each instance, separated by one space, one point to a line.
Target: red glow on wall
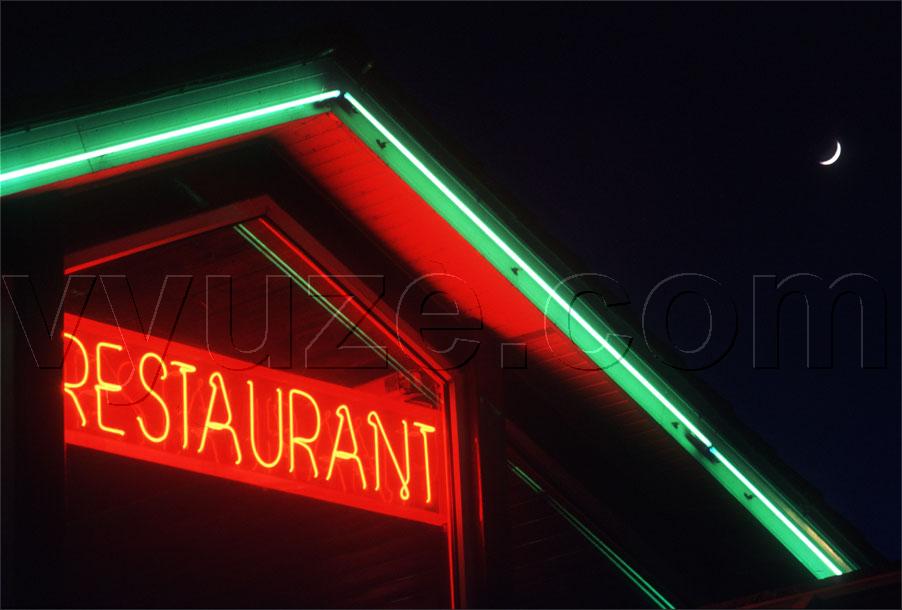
181 406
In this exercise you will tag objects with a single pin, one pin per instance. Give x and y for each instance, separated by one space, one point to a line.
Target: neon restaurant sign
180 406
84 147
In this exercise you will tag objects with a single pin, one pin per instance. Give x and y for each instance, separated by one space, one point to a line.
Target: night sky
653 140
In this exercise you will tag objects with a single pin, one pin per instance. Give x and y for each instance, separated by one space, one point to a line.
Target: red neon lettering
173 384
163 374
68 387
424 430
227 424
303 441
253 435
344 414
105 386
184 369
373 420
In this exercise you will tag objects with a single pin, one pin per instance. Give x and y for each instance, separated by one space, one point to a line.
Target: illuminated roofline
39 155
167 135
625 364
235 108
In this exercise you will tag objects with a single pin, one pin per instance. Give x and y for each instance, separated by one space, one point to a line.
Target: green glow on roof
776 511
533 274
626 368
168 135
51 153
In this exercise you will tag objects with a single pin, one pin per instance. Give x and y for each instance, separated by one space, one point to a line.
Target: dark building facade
267 341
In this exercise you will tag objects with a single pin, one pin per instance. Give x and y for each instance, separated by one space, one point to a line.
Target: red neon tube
181 406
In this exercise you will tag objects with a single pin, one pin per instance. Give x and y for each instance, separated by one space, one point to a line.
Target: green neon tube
770 505
276 260
656 597
529 270
167 135
819 564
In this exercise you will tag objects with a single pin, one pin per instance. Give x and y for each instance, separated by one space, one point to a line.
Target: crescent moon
835 156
